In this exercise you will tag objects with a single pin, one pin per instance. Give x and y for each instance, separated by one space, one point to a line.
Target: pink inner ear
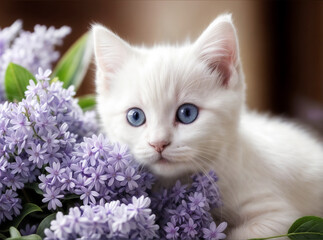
223 67
219 49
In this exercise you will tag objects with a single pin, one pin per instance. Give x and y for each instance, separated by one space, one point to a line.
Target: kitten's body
272 178
270 172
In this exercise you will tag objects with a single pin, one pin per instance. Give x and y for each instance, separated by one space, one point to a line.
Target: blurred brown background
280 41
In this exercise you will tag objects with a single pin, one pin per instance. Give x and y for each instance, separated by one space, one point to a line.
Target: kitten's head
175 106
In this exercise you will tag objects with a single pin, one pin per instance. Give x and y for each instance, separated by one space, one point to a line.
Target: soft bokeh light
280 41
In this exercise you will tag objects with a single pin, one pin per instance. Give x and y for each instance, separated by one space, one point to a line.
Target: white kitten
181 110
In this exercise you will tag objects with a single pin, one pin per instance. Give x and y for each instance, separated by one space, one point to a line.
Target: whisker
201 161
213 183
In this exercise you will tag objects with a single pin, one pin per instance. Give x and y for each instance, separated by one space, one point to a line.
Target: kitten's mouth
163 161
167 167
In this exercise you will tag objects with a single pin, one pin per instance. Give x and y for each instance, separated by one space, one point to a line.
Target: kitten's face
174 106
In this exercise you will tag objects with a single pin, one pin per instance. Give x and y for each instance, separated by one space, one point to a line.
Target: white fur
270 171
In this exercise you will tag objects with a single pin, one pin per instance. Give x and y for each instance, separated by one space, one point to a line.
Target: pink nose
159 146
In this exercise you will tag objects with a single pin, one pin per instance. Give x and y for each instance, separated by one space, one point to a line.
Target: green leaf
87 102
2 236
14 232
29 237
35 187
309 227
305 228
45 224
71 196
26 210
16 81
73 66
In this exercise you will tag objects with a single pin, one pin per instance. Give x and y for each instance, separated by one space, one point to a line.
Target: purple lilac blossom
29 49
98 170
215 233
40 132
117 196
182 212
102 173
29 229
171 229
52 197
113 220
114 210
8 34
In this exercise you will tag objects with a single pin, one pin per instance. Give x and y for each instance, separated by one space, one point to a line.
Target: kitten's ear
109 49
218 47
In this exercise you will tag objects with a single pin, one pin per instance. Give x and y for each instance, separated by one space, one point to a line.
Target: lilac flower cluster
113 220
29 229
118 198
183 212
45 138
29 49
41 130
98 170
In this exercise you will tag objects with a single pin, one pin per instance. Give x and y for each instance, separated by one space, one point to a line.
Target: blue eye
187 113
136 117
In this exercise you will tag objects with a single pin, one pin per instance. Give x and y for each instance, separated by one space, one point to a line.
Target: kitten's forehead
168 74
159 80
